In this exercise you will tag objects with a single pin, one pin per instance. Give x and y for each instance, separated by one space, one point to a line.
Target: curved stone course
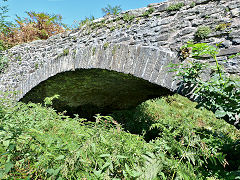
143 62
140 42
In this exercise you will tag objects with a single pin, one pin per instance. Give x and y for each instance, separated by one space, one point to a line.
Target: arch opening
87 92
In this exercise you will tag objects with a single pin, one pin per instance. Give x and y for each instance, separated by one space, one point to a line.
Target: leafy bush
128 18
4 25
202 32
38 143
175 7
220 93
86 21
36 26
109 10
148 12
187 139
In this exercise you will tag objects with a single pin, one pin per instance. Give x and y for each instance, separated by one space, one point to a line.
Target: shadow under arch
90 91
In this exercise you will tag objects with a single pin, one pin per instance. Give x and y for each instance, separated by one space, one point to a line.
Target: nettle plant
220 92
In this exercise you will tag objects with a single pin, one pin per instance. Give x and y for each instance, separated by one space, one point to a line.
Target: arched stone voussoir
149 63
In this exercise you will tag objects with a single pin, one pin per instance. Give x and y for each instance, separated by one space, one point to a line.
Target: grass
169 138
148 12
128 18
175 7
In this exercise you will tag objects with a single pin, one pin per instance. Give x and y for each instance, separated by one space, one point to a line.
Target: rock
235 12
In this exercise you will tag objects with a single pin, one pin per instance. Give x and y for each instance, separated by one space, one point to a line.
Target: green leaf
122 157
220 113
104 155
106 165
8 167
97 173
55 172
6 143
60 157
1 174
50 171
135 174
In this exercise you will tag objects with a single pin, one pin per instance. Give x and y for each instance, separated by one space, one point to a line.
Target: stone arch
148 63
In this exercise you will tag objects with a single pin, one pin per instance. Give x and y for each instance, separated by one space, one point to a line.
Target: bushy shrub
190 141
38 143
202 32
35 26
175 7
86 21
148 12
111 10
220 93
128 18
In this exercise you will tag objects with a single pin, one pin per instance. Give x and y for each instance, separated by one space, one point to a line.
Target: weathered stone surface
142 47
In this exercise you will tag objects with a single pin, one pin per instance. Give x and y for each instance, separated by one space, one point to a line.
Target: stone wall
154 28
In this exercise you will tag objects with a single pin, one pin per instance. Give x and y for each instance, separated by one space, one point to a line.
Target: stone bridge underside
99 79
148 63
92 91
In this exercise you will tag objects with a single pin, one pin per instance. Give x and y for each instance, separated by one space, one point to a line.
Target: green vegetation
3 63
220 93
188 143
193 4
86 21
35 26
18 58
112 28
165 138
202 32
105 45
175 7
128 18
36 66
65 52
148 12
222 27
93 51
235 55
41 144
111 10
174 123
74 53
114 50
4 24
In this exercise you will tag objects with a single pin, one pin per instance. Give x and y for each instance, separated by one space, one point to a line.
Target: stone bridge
139 42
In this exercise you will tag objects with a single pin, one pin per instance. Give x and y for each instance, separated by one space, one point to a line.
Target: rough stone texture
142 47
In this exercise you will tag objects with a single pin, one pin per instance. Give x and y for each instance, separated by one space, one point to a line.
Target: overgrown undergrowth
182 143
